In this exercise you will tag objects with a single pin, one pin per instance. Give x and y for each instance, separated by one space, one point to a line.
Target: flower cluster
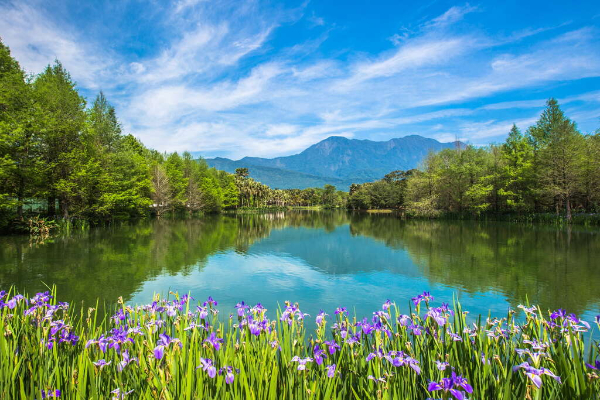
431 352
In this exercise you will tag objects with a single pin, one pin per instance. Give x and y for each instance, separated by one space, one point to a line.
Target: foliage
53 148
172 348
552 168
387 193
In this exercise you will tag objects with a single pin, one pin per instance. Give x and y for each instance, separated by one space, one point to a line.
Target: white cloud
218 84
35 41
281 130
412 55
453 15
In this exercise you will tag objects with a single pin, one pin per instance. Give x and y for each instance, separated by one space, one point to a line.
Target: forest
550 168
62 158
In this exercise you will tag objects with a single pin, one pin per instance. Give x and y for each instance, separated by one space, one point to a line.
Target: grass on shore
177 349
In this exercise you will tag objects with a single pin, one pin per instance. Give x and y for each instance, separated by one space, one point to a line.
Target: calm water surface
320 259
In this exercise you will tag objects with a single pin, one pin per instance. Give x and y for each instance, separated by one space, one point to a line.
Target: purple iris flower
441 365
404 320
332 346
241 309
214 341
67 336
126 361
560 313
425 296
120 316
320 317
536 345
207 365
485 360
136 330
50 393
353 339
185 298
454 336
399 359
318 354
366 327
257 309
452 385
102 363
416 329
165 340
229 377
535 374
377 380
386 306
528 310
330 370
56 326
380 315
117 395
12 303
202 312
159 352
290 311
596 365
371 356
301 362
210 302
340 310
255 326
437 314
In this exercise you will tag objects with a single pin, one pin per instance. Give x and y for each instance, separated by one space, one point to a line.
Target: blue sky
236 78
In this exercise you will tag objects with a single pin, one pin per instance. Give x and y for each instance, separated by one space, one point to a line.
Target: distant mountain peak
337 160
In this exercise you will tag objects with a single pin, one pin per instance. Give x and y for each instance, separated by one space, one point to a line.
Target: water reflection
321 259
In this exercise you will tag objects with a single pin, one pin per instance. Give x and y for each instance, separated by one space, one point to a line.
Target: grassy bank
177 349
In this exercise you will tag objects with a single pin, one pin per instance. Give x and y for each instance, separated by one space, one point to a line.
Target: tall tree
517 151
62 117
559 145
161 190
177 181
19 144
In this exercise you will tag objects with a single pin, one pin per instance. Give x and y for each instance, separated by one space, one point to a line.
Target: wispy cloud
453 15
36 41
245 78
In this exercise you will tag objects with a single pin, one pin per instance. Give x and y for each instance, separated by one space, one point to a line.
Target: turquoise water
320 259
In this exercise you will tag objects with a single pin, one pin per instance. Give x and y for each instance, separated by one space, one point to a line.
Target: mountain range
337 160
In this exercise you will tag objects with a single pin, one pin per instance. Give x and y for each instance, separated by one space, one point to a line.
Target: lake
320 259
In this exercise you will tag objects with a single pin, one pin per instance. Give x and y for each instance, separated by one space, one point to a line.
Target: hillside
278 178
336 160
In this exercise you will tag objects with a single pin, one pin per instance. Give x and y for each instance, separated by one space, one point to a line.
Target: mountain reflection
555 267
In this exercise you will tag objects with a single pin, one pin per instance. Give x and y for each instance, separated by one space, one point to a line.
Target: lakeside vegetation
63 165
68 162
176 349
552 168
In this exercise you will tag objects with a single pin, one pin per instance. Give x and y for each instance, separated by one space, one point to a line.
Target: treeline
77 163
258 195
71 161
387 193
552 167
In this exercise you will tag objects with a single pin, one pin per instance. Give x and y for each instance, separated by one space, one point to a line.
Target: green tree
559 148
61 120
329 196
517 151
178 183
